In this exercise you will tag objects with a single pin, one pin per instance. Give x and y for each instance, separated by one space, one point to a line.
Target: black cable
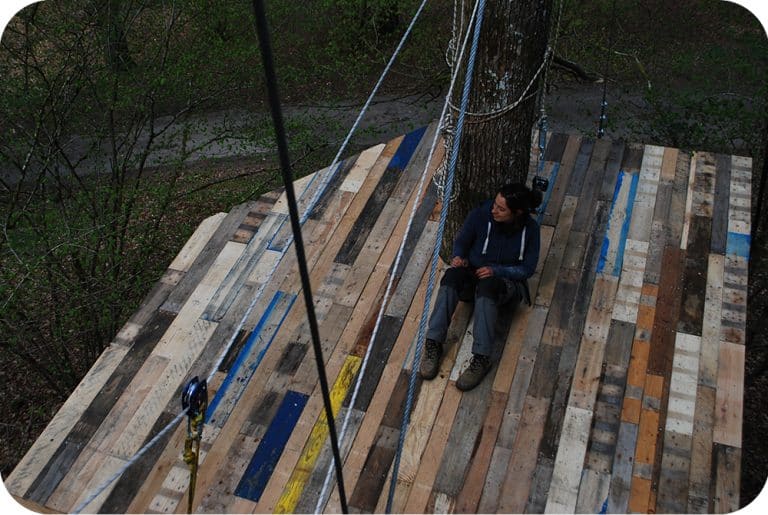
604 103
285 164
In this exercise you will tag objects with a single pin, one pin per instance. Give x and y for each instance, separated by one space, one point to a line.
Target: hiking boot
430 361
475 372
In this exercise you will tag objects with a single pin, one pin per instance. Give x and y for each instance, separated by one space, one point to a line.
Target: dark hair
519 196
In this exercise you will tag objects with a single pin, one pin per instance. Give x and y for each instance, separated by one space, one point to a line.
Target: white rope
491 115
323 493
333 168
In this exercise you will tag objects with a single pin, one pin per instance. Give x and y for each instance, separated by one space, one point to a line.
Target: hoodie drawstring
487 237
522 242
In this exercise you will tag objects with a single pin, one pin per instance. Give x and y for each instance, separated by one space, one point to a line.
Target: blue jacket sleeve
527 266
466 236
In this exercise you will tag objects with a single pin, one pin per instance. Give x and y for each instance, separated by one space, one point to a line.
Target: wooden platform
619 390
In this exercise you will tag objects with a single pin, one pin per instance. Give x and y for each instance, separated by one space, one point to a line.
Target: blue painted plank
406 149
620 242
271 447
625 226
738 244
249 358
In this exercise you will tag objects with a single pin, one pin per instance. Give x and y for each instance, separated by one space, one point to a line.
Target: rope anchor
194 401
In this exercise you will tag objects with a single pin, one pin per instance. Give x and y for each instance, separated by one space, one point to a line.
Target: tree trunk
496 149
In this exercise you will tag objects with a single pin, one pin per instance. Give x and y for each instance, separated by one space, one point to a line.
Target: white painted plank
356 176
683 384
569 461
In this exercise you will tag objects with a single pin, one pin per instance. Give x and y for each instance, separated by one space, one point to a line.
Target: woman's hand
484 272
459 262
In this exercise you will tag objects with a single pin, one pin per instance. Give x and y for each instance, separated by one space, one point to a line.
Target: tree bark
495 150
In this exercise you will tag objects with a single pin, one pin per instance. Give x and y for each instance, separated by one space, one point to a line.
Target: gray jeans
489 295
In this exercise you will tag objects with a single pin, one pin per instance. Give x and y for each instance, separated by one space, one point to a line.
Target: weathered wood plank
720 203
667 312
621 479
675 464
699 482
469 497
739 207
360 170
734 305
726 465
612 169
537 499
196 242
729 401
250 224
592 183
425 476
554 258
676 218
633 157
559 186
682 394
691 317
710 332
647 438
593 492
607 411
525 449
462 440
647 189
579 172
631 281
564 488
586 377
555 147
689 195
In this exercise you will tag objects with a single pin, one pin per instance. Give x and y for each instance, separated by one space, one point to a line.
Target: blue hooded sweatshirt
486 242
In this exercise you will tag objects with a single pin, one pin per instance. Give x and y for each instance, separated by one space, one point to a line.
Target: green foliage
702 67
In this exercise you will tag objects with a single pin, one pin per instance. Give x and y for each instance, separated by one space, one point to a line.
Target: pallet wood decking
620 389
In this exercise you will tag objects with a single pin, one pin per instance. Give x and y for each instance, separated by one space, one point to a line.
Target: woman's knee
491 287
454 277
